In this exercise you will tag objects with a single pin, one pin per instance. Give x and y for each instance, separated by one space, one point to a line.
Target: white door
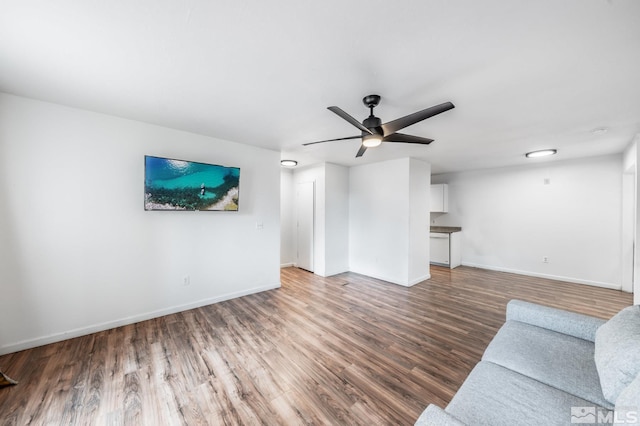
306 207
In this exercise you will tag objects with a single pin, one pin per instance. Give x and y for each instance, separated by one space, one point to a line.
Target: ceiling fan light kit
371 141
374 132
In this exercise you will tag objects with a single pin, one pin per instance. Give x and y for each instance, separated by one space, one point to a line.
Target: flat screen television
171 184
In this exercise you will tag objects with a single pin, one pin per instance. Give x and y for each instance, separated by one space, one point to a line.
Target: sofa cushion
628 404
555 359
565 322
617 352
435 415
494 395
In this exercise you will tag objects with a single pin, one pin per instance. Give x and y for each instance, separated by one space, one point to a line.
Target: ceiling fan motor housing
373 123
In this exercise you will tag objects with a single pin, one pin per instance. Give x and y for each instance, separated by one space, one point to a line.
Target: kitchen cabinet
445 249
439 198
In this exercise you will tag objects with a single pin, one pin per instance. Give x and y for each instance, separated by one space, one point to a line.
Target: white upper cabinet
440 198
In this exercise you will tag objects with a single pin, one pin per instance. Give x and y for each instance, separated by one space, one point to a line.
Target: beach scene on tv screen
185 185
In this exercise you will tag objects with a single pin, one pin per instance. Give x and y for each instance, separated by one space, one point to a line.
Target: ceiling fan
374 132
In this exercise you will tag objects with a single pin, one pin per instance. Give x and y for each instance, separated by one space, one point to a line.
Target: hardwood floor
342 350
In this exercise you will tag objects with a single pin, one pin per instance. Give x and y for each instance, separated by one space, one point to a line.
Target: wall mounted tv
171 184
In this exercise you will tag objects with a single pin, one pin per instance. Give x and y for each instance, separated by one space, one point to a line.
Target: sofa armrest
561 321
436 416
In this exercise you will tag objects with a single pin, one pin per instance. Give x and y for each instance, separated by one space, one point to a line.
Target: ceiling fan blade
331 140
349 118
361 151
400 137
408 120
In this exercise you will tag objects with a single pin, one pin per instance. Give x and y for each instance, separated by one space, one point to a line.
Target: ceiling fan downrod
371 101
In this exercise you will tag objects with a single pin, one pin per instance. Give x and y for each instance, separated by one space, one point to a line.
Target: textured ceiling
523 75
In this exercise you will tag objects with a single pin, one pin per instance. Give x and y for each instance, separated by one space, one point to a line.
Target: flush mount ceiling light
541 153
288 163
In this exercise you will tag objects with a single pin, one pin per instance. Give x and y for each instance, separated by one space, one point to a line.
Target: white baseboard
377 276
419 280
286 265
394 280
83 331
547 276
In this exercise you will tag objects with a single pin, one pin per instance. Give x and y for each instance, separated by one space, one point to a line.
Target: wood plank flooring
342 350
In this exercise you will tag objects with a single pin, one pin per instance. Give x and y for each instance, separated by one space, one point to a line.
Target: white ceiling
523 74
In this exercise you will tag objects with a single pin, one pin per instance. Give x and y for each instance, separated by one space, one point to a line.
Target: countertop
445 229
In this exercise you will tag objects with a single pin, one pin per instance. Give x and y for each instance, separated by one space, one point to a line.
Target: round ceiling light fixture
541 153
288 163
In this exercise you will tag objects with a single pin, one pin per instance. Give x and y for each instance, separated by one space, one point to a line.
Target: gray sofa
546 366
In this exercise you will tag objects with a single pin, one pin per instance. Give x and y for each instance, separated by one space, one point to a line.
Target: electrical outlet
186 281
545 259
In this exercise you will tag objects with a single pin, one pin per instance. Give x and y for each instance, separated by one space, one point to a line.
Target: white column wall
389 219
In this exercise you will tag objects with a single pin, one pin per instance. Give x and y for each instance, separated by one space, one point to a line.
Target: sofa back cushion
617 352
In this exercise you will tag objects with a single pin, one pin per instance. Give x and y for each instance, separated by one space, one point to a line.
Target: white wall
78 253
511 218
384 222
419 206
336 219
